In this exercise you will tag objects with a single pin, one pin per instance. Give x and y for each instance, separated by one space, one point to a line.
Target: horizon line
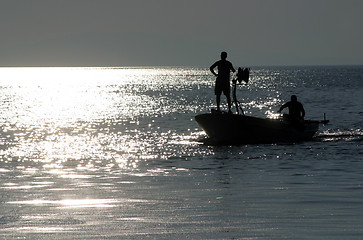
181 66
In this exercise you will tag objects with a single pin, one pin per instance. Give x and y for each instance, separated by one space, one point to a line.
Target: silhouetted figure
223 79
296 109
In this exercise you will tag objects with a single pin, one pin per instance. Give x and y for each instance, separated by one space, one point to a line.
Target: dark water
91 153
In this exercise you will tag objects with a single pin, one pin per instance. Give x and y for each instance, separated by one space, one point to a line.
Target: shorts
222 86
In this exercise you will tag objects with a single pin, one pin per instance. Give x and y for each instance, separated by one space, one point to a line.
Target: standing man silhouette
223 80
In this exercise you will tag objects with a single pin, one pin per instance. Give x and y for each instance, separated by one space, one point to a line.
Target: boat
226 128
229 128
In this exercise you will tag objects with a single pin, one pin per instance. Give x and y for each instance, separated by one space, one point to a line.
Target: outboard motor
243 74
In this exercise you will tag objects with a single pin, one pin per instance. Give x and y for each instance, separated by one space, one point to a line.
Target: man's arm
232 68
282 107
302 111
212 69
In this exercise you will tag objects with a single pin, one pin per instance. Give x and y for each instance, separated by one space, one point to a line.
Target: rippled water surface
115 153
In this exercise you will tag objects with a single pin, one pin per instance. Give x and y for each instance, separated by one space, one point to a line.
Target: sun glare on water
56 114
52 95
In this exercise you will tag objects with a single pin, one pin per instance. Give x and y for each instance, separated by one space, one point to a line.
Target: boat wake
340 135
328 136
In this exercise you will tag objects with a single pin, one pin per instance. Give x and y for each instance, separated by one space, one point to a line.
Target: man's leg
229 102
218 98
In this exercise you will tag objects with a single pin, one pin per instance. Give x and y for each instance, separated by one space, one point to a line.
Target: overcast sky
180 33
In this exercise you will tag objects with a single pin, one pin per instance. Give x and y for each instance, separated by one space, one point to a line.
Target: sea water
115 153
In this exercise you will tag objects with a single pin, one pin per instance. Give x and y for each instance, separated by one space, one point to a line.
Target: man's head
223 55
293 98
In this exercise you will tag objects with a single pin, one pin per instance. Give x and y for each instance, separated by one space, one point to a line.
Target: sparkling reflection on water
114 153
55 115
